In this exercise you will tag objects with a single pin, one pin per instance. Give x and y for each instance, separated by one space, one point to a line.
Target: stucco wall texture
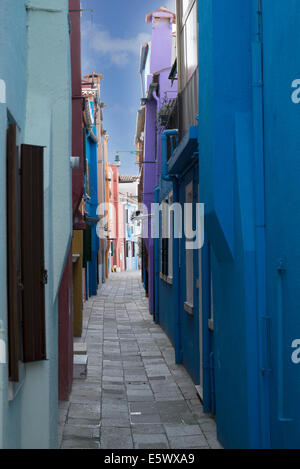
38 99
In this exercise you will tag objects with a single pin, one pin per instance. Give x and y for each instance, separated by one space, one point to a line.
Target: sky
112 37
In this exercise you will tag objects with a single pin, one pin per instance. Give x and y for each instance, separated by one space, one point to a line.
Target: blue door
209 396
281 77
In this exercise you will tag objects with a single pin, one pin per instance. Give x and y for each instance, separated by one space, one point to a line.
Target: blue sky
111 42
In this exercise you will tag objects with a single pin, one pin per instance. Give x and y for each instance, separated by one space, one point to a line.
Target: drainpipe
260 231
157 99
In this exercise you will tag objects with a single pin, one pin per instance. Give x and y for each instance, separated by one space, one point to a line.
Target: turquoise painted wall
33 37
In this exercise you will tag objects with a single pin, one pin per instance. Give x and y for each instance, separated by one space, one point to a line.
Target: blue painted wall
166 295
226 188
248 174
183 330
281 64
189 324
91 209
38 99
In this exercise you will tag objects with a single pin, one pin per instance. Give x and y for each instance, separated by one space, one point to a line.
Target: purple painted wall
160 63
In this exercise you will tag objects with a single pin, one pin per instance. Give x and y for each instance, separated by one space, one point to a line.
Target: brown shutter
33 270
12 256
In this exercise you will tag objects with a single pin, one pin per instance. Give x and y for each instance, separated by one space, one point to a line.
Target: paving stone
75 443
149 441
113 379
144 407
186 442
85 411
73 431
152 429
116 438
182 430
116 407
137 418
118 420
86 393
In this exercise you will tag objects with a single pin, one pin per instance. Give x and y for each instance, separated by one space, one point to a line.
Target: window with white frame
188 39
189 253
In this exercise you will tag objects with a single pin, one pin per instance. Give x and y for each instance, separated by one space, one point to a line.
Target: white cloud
171 5
118 50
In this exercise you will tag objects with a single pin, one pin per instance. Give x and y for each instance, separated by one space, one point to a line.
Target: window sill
170 280
166 278
188 308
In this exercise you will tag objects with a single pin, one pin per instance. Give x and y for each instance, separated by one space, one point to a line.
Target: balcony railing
188 105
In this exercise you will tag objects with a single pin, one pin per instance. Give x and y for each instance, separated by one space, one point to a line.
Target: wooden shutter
12 250
33 271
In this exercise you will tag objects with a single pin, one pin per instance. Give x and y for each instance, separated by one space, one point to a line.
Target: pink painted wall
117 226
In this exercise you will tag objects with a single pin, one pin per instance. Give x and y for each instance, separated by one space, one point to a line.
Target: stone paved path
134 395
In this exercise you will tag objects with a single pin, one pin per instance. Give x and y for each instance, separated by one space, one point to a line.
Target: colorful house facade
155 66
235 321
116 236
91 244
35 138
251 237
132 234
70 294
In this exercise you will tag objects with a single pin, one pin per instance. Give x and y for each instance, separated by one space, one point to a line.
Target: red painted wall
65 300
77 137
65 348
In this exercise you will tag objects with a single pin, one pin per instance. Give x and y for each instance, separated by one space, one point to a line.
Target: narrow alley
134 396
149 237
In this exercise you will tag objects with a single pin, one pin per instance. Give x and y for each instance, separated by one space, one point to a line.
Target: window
167 218
188 40
112 249
164 239
133 249
185 5
189 260
127 249
26 275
